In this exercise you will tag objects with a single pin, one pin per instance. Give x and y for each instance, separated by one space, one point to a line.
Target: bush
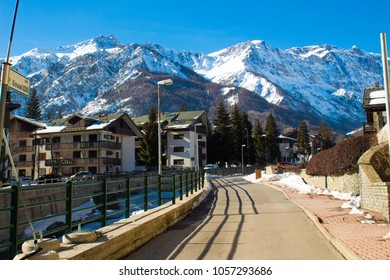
341 159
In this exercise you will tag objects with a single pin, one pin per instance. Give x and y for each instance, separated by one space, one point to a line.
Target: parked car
82 176
23 181
53 178
211 166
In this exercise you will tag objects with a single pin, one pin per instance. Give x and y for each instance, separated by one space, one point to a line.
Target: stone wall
375 194
346 183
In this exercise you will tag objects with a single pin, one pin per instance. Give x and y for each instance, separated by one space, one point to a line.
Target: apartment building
185 136
101 144
27 152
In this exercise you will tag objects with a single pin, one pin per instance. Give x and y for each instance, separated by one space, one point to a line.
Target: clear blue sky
204 26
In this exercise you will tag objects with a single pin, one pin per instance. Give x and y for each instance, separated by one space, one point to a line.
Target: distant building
374 103
288 146
185 134
66 146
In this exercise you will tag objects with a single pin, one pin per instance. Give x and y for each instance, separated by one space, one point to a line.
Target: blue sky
204 26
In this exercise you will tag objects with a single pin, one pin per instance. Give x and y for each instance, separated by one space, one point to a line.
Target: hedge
341 159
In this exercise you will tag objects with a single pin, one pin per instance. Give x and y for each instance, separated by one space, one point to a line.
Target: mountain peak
102 42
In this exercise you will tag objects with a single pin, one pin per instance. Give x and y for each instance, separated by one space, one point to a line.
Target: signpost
19 82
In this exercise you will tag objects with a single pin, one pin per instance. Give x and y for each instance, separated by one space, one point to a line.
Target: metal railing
54 209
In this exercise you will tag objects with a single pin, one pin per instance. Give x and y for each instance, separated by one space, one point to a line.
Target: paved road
241 220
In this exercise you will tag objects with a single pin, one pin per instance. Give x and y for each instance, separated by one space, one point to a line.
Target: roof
374 97
30 121
93 123
175 120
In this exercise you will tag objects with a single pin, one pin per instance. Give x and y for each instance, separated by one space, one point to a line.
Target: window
22 172
178 149
77 138
76 154
178 162
178 136
92 137
92 154
22 143
22 157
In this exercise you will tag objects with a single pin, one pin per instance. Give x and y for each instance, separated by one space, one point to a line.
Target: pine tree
221 135
303 144
248 138
325 136
237 139
148 152
33 110
259 142
272 138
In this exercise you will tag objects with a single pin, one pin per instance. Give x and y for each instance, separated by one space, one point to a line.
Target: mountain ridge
100 74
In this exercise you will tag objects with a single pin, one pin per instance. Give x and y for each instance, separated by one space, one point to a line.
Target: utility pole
5 76
385 65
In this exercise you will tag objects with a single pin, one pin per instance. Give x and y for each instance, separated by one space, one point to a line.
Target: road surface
241 221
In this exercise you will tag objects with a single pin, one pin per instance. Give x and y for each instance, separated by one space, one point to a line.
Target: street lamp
167 82
242 159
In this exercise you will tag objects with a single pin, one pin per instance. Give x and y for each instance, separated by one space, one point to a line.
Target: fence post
104 221
146 193
128 197
159 190
181 186
173 183
192 182
69 203
14 221
186 184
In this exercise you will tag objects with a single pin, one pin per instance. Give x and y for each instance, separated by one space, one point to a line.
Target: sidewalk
358 240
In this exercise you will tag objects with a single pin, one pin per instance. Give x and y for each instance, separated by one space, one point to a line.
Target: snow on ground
296 183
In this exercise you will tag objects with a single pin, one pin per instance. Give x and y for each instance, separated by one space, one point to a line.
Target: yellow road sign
19 82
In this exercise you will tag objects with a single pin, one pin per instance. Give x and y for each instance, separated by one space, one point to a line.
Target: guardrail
54 209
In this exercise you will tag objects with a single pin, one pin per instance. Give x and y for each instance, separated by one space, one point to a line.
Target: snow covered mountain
100 74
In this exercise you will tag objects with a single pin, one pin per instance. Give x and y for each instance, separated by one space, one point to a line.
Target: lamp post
242 158
167 82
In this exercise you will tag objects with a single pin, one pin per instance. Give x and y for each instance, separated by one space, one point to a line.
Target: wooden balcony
84 161
84 145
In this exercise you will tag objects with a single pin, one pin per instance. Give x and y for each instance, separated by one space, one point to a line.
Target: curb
347 252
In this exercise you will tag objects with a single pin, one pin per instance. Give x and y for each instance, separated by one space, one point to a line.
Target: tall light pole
167 82
242 159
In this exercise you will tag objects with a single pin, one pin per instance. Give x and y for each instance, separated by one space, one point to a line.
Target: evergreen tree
33 110
148 152
303 145
237 133
325 136
259 142
272 138
221 135
249 153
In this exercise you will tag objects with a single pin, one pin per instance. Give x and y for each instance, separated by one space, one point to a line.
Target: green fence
54 209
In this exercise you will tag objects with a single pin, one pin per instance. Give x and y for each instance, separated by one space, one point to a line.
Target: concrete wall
346 183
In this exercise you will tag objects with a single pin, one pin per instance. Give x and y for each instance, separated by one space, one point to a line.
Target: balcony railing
82 161
84 145
23 149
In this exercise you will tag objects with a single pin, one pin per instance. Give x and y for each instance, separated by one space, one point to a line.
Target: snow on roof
51 129
377 97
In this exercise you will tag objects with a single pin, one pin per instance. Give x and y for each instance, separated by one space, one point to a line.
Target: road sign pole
4 84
